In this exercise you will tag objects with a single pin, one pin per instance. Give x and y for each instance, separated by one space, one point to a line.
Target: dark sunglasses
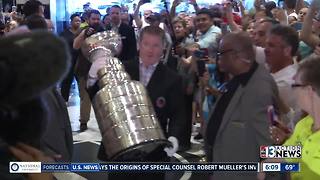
298 85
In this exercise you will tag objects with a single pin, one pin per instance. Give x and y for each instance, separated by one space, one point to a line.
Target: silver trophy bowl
127 121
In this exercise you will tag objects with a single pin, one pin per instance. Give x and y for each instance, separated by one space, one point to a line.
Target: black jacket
129 44
166 94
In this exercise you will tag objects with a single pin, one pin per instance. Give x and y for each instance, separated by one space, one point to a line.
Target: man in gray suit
238 123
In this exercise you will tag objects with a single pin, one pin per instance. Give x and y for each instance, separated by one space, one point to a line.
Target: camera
89 32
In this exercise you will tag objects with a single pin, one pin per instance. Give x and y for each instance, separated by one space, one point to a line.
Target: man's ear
287 51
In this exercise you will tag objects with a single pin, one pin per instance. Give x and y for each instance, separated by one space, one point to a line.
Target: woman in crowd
307 130
179 63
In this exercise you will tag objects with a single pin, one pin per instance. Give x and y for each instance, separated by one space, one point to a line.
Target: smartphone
202 53
235 5
272 116
201 65
274 120
297 26
224 28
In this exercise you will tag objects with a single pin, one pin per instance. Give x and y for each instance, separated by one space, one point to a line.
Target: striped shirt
146 72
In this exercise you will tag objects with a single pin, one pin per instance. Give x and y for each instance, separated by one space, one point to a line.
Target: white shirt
145 72
115 28
284 79
260 55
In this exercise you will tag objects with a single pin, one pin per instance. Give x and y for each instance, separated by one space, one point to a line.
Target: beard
96 27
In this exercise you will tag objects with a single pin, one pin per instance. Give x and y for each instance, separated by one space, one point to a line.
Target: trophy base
140 152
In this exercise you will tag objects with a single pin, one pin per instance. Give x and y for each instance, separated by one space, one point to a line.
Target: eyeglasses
298 85
220 53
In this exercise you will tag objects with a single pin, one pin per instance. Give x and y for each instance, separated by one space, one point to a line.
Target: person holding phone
209 32
307 131
141 22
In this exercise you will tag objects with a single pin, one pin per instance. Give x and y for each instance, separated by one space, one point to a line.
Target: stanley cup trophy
126 118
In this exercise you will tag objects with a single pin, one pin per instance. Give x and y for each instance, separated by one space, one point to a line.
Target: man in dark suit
163 85
238 124
129 44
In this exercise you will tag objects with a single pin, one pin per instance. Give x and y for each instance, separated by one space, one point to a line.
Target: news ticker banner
38 167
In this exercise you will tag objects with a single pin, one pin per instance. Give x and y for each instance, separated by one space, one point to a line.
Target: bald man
238 124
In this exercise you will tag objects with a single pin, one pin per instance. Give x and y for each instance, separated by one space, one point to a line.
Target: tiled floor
86 146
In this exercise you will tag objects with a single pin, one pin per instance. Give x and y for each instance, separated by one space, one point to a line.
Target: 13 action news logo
280 151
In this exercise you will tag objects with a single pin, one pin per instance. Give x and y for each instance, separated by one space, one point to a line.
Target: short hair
205 11
179 20
310 72
270 5
289 36
85 16
216 11
31 7
291 4
116 6
244 43
93 11
270 20
105 16
36 22
153 30
74 15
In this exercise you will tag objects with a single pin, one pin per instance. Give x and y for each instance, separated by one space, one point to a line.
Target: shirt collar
245 77
142 64
285 72
117 26
211 29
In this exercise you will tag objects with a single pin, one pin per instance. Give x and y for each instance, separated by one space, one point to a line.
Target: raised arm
232 24
242 9
195 5
175 3
306 34
136 16
78 41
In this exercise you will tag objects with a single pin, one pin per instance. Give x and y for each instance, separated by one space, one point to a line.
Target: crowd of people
223 67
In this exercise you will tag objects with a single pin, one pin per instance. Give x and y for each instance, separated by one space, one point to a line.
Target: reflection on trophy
126 118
